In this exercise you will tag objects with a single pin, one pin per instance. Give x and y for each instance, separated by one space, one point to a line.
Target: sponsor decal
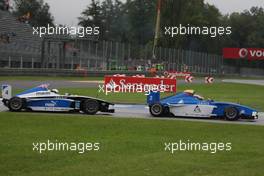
137 84
189 79
197 109
42 93
209 80
244 53
181 102
51 104
175 74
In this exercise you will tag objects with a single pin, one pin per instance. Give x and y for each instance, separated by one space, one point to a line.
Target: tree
193 13
134 22
141 16
256 38
4 4
38 10
114 18
92 15
247 28
108 15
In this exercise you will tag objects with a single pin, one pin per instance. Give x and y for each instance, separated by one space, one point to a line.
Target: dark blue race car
189 104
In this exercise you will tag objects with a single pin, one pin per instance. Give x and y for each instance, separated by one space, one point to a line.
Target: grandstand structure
17 41
19 48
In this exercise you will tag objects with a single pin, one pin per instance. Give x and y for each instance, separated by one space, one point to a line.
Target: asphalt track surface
142 112
134 111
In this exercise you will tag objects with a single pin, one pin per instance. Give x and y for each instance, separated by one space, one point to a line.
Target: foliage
247 28
37 9
134 21
108 16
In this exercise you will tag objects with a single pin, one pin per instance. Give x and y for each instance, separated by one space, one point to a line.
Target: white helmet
55 91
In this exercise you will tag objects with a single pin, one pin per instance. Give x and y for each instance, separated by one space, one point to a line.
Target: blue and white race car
42 99
189 104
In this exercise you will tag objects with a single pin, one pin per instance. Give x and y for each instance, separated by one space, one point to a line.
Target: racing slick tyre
156 110
16 104
90 106
231 114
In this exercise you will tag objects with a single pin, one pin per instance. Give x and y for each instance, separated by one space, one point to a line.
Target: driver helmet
54 90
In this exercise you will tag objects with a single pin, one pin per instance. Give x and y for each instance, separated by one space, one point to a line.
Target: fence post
178 60
21 62
221 71
72 64
88 64
169 59
32 63
204 62
201 62
106 56
110 56
173 59
54 62
123 53
129 51
208 63
116 55
96 54
9 62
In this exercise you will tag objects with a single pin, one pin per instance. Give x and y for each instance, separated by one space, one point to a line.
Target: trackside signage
174 74
138 84
244 53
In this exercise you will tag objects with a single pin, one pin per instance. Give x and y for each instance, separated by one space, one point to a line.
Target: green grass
251 95
48 78
130 147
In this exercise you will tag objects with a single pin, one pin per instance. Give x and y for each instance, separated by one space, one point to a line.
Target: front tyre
231 114
90 106
16 104
156 110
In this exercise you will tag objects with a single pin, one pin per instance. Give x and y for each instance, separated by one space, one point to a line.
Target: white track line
241 81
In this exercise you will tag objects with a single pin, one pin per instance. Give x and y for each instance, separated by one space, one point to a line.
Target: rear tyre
16 104
156 110
231 114
166 112
90 106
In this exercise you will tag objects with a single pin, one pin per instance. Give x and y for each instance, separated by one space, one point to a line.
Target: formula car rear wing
153 97
6 92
